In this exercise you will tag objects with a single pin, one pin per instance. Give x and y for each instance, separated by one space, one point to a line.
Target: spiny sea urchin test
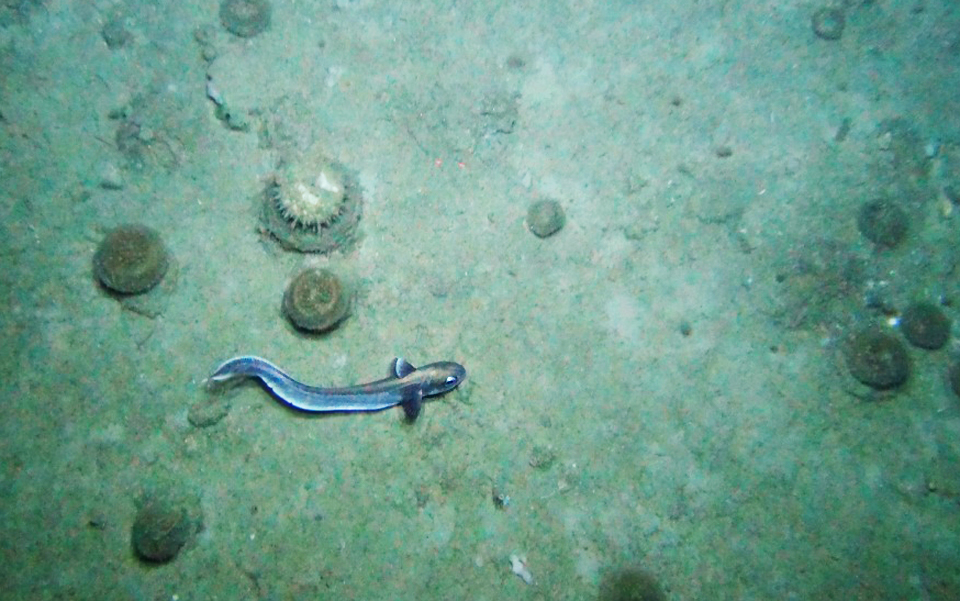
311 204
313 196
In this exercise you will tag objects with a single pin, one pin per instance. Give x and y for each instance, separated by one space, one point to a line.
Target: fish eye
451 379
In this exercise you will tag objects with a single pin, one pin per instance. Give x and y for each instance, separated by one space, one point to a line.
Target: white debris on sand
518 563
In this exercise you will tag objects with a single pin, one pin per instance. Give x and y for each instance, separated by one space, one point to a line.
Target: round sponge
882 222
316 300
131 259
925 326
245 18
877 359
164 524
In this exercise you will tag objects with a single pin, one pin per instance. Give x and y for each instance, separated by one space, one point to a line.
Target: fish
407 386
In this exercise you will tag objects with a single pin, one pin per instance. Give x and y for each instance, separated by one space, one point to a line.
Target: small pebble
843 130
111 178
518 563
545 218
115 33
828 23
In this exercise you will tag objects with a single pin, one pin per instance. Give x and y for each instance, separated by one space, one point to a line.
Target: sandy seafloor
711 158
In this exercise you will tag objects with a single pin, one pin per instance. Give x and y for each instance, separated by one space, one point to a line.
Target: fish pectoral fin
412 396
402 368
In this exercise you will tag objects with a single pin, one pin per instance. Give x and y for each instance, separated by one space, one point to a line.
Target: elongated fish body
407 386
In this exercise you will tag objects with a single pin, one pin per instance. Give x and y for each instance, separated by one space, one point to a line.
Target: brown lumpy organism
877 359
316 300
245 18
131 259
162 527
545 218
925 325
882 222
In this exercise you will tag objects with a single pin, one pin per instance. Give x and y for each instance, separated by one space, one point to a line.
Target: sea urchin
313 194
311 204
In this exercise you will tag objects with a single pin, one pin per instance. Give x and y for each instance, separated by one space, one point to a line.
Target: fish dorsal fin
402 367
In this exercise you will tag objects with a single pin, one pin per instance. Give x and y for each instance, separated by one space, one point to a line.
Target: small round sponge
131 259
316 300
245 18
925 326
165 522
877 359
